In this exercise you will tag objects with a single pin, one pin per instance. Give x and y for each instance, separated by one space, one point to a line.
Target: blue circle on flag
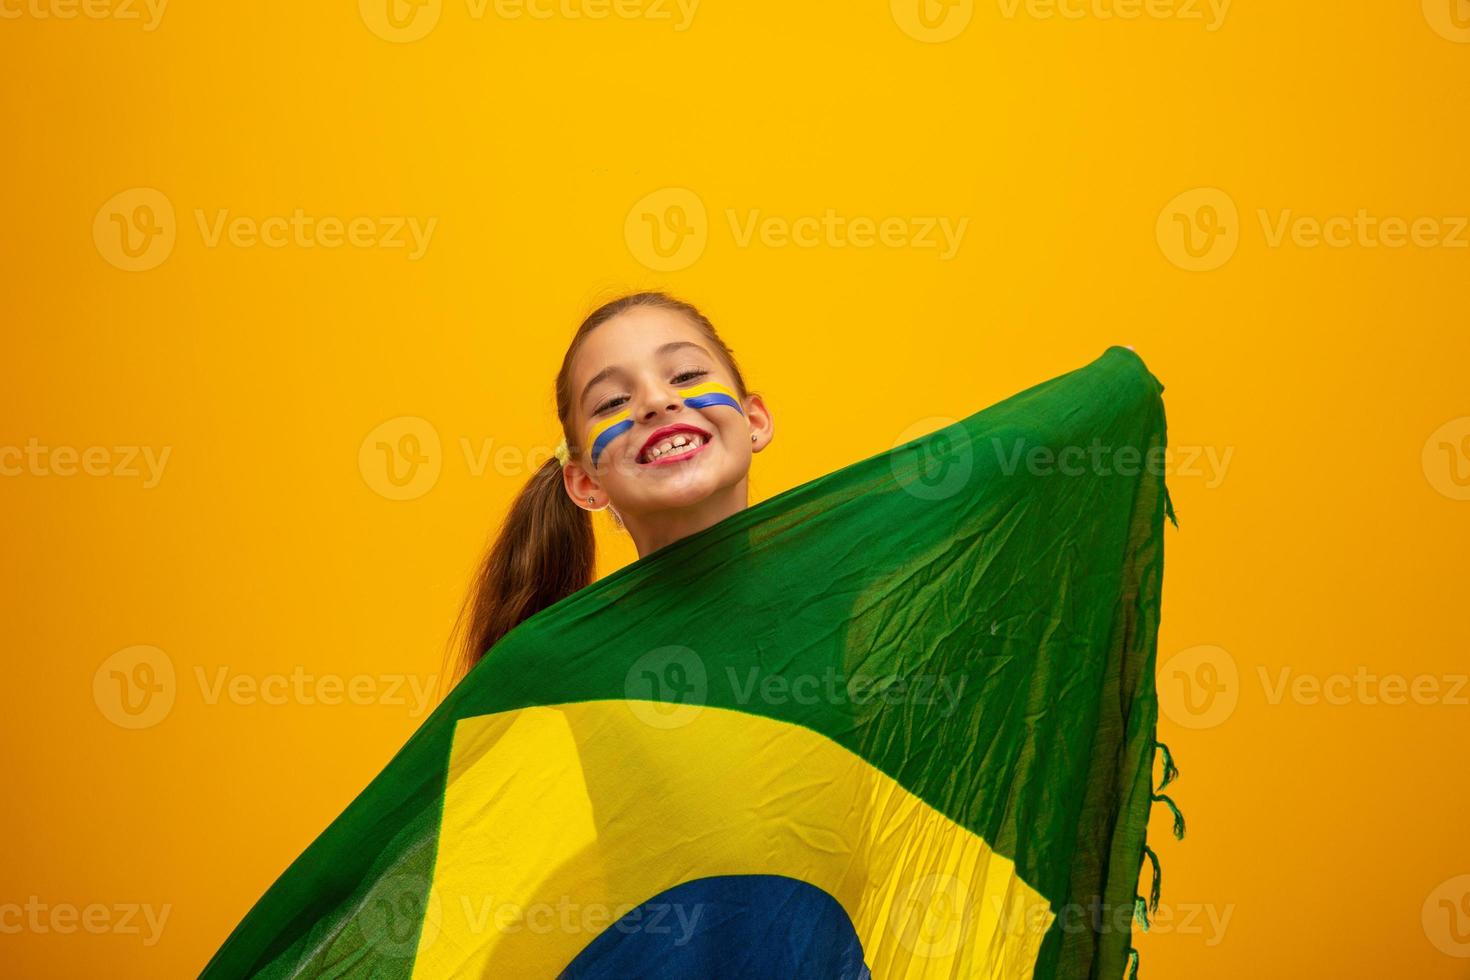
728 926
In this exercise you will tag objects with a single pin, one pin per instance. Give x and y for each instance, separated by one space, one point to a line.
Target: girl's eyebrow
668 348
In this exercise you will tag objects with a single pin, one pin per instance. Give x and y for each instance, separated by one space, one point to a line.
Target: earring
752 437
591 501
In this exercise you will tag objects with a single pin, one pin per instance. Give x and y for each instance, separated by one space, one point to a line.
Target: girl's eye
608 405
612 403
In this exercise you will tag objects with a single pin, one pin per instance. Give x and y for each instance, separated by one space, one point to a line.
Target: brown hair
545 550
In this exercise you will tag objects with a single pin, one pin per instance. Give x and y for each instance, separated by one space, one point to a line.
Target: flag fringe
1141 906
1171 771
1153 892
1178 817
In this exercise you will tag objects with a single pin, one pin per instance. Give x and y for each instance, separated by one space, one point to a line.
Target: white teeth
682 442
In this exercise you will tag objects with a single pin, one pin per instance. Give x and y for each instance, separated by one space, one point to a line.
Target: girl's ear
762 425
580 486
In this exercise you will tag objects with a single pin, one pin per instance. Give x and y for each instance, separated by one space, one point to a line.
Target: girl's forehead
632 338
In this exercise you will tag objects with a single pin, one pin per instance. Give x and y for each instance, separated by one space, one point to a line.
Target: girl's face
642 383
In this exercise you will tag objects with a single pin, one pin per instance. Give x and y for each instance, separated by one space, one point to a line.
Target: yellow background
1329 837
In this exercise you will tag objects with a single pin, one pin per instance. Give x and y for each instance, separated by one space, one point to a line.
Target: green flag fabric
898 721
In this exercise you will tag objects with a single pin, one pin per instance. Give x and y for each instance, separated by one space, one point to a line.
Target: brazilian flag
898 721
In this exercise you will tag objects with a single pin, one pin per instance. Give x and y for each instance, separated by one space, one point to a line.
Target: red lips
659 435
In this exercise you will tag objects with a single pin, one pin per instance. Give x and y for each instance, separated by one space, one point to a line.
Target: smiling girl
657 426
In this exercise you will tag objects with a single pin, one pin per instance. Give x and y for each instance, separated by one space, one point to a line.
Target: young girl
657 426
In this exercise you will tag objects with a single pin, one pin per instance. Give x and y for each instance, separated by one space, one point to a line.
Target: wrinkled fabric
897 721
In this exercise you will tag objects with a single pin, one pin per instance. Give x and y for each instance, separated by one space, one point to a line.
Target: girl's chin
674 490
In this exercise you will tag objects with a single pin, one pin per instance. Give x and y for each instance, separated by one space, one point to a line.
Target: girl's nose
658 398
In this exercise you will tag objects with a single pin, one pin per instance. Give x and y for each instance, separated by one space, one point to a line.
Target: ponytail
543 553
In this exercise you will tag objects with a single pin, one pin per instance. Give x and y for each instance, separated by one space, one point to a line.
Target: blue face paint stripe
607 436
713 398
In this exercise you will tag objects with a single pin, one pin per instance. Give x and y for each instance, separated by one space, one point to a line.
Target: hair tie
562 452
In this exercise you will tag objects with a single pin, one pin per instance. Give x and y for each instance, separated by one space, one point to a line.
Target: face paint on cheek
709 393
604 432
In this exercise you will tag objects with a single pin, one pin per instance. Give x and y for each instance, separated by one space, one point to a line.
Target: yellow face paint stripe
559 819
604 432
710 393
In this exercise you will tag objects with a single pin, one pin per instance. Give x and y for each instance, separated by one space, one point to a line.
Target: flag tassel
1178 817
1171 771
1141 906
1153 892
